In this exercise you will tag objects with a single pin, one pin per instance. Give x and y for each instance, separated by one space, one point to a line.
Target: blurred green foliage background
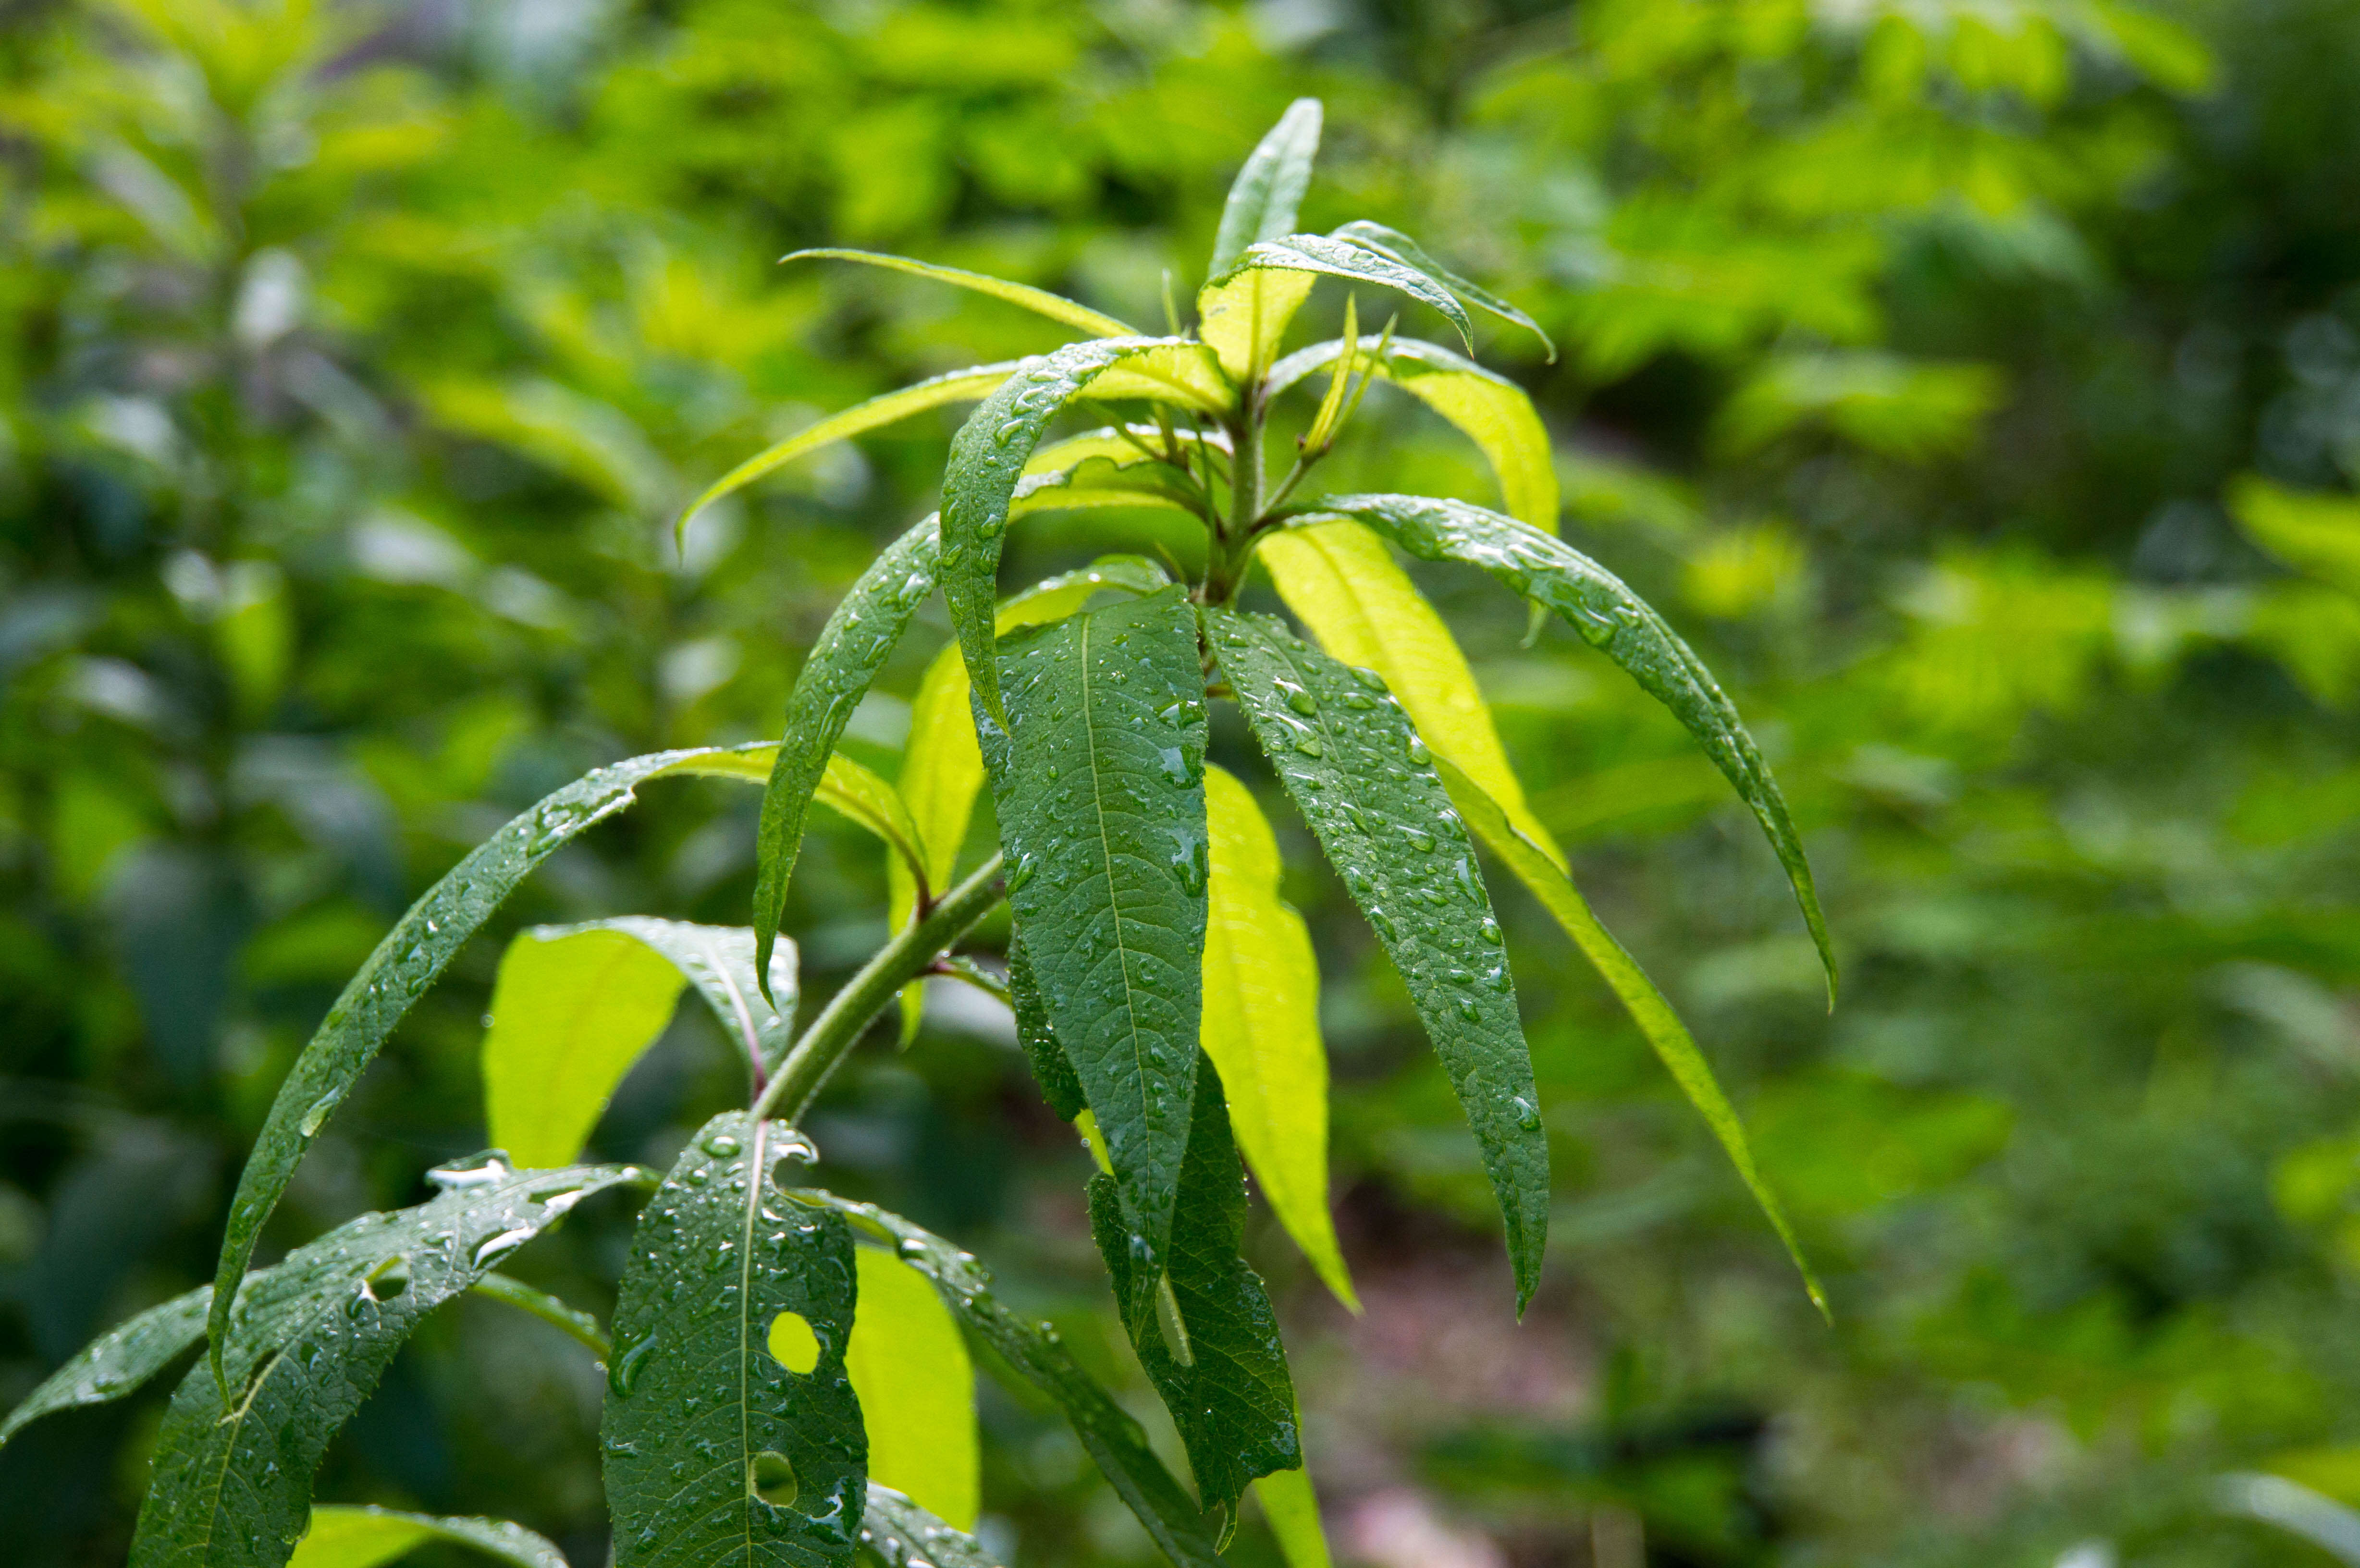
1976 382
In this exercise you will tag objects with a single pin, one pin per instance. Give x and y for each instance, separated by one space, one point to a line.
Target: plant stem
852 1009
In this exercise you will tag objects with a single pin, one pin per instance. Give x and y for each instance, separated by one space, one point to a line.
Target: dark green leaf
1409 252
907 1536
1365 782
306 1343
1100 784
1268 190
116 1362
1609 616
1051 1069
404 964
987 459
732 1435
1056 307
851 649
1340 258
1033 1353
343 1536
1199 1318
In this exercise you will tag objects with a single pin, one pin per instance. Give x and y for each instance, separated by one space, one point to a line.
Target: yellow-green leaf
1056 307
1342 583
858 794
910 1368
347 1537
1260 1025
1242 317
1292 1509
2312 532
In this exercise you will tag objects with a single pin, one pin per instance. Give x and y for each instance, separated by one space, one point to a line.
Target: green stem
852 1009
548 1309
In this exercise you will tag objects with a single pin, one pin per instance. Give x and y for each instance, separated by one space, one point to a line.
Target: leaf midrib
1106 853
756 1134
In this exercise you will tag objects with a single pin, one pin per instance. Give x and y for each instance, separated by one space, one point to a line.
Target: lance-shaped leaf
856 794
1493 411
1100 784
1538 869
851 649
956 387
906 1536
1409 252
305 1344
1261 1025
1269 188
1610 617
1292 1510
1364 781
575 1006
732 1434
1340 258
1056 307
398 972
1201 1320
910 1368
118 1362
1102 482
1052 1069
343 1536
987 459
941 771
1343 584
1034 1353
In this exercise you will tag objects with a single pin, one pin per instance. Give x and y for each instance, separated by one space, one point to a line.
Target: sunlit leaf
1267 191
1056 307
2311 531
343 1536
1409 252
1243 317
1340 258
1292 1509
1261 1025
910 1368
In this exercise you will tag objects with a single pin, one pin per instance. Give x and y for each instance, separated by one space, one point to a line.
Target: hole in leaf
771 1478
390 1281
792 1343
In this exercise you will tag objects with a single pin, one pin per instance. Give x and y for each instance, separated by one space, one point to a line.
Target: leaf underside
717 1454
1362 779
116 1362
1100 785
906 1536
1338 258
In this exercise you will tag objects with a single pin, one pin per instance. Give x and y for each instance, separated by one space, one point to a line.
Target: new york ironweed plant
787 1370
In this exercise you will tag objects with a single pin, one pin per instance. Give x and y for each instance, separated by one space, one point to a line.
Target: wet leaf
856 794
906 1536
1338 258
1538 869
910 1368
1261 1025
118 1362
1032 1351
1201 1320
1609 616
1363 779
1056 307
1264 196
398 972
1100 784
343 1536
732 1433
307 1342
1051 1067
1409 252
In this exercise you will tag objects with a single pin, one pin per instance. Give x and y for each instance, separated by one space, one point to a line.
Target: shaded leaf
1409 252
118 1362
343 1536
1261 1025
1056 307
1362 777
1099 788
916 1386
906 1536
574 1323
1609 616
731 1433
1199 1318
852 647
1339 258
1051 1067
1540 869
307 1342
1033 1353
400 969
1267 191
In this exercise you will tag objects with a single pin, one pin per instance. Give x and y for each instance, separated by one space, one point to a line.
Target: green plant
787 1376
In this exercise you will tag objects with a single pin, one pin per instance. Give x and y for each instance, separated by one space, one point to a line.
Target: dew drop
1308 745
1528 1116
627 1367
317 1116
722 1146
1418 753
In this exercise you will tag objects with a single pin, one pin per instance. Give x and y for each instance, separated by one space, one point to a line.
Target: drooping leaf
1362 777
1261 1025
1056 307
118 1362
1100 793
1052 1069
1102 482
941 771
1178 371
306 1343
956 387
851 649
1409 252
1269 188
398 972
1539 869
906 1536
732 1434
1201 1320
1292 1509
1343 584
343 1536
1119 444
1340 258
856 794
1493 411
987 460
575 1006
1113 1438
1612 618
910 1368
572 1322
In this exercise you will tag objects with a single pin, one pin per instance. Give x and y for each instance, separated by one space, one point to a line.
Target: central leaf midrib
1106 852
745 1324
